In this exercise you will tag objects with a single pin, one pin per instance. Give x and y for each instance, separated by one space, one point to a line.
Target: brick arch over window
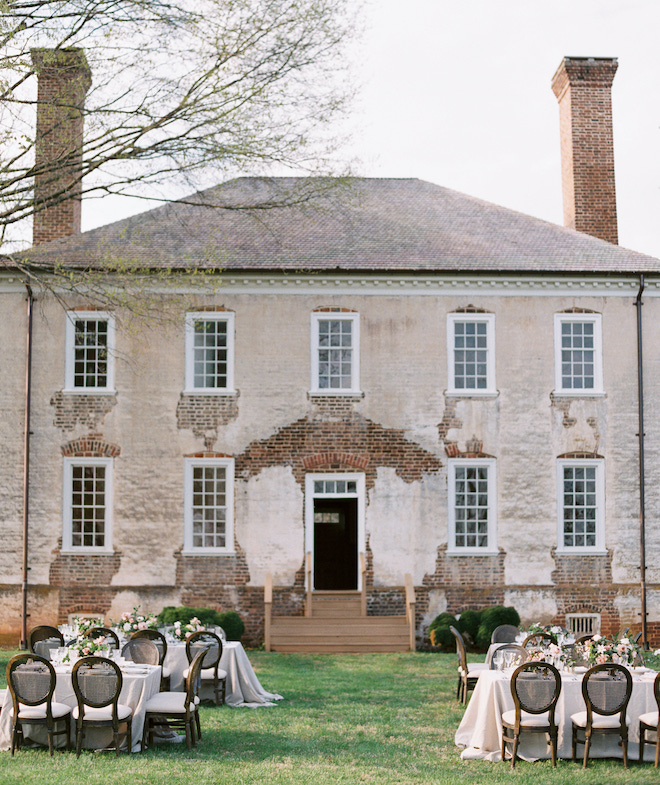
470 309
577 310
580 456
207 454
90 447
354 442
333 309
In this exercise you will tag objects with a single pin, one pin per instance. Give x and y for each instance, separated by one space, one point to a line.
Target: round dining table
480 730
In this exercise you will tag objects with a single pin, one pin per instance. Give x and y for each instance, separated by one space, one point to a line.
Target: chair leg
574 744
642 739
553 748
624 747
188 734
198 724
657 747
587 742
224 692
514 751
129 735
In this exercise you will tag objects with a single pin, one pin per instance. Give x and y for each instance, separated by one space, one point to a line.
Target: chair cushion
650 718
168 703
39 712
580 719
167 672
104 714
207 673
474 668
526 720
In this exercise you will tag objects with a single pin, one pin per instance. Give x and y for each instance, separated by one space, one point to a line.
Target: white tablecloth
243 687
136 690
480 731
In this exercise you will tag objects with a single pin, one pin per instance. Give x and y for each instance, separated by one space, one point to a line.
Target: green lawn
381 718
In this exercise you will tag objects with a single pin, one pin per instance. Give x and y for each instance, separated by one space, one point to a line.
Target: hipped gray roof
360 225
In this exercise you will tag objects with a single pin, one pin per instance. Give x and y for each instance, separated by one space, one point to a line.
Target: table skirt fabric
480 730
136 691
243 687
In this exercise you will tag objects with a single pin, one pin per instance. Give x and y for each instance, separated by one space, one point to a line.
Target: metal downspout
26 464
642 522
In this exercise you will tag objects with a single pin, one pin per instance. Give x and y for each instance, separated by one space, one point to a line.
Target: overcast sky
457 92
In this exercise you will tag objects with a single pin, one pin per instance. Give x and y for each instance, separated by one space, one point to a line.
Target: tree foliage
183 90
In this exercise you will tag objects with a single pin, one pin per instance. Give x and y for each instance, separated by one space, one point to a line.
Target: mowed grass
380 718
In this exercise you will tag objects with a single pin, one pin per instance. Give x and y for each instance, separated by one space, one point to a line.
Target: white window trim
452 320
208 316
452 548
188 548
67 518
599 548
310 495
597 321
334 316
69 348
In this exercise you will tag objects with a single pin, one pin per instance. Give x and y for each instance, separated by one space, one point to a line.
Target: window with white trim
471 354
87 512
89 347
578 354
472 505
580 504
209 505
210 352
335 353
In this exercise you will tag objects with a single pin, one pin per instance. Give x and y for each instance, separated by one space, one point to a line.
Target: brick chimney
583 88
64 78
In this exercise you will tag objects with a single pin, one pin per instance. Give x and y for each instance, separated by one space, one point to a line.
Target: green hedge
475 626
230 621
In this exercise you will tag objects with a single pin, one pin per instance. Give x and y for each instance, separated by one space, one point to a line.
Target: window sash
335 353
472 509
580 505
89 347
471 354
578 354
209 347
87 517
209 505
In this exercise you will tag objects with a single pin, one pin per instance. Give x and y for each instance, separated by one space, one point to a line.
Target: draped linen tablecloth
136 690
480 730
243 687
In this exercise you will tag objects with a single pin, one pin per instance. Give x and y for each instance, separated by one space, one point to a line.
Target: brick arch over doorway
354 441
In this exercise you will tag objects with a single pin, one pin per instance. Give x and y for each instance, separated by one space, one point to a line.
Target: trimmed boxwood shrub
439 632
468 625
232 624
493 617
230 621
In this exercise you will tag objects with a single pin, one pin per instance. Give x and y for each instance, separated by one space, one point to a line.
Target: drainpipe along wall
640 403
26 465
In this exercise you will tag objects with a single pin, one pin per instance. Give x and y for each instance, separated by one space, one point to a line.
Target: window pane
471 506
209 506
210 354
88 507
580 510
577 356
470 355
90 353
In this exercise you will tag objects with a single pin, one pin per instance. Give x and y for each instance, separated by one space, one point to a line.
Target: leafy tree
183 92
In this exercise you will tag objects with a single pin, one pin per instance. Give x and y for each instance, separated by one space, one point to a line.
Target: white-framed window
89 352
210 352
471 354
335 353
209 505
472 505
578 354
580 505
87 514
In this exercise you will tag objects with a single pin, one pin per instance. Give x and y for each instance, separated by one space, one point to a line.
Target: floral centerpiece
86 647
134 621
83 625
183 631
599 650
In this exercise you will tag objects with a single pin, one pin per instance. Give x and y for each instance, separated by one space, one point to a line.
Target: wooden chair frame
645 728
511 731
211 662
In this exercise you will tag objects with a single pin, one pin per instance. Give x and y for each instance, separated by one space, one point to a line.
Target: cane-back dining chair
505 633
210 670
606 690
178 710
519 653
539 639
111 637
141 650
468 673
535 687
50 636
31 683
161 642
97 683
649 723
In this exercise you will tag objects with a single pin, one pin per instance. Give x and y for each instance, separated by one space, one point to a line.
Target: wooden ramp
336 625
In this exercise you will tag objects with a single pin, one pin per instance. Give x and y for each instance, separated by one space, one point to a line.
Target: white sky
457 92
